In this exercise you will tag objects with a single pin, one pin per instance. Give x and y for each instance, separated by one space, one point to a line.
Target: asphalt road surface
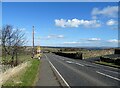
82 73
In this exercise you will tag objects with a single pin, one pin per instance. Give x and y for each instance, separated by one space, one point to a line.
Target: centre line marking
70 62
108 76
79 64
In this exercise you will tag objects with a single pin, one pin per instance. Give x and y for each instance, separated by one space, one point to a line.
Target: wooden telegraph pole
33 43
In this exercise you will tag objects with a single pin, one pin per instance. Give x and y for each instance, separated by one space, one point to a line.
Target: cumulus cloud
60 23
71 42
94 39
76 23
111 22
114 41
111 11
55 36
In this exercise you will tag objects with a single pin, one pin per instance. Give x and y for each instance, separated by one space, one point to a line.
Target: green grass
107 64
29 76
26 78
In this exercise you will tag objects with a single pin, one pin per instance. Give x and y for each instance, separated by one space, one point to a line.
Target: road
82 73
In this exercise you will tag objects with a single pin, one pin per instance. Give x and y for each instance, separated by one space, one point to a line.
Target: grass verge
26 77
107 64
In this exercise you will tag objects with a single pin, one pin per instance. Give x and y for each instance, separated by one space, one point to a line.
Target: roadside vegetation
12 41
27 77
107 64
14 57
109 56
86 53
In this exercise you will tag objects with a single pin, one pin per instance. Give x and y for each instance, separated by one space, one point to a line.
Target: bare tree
12 40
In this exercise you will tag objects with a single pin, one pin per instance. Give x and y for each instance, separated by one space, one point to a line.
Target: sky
69 24
60 0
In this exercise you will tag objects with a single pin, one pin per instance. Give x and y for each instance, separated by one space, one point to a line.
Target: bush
107 59
117 61
117 51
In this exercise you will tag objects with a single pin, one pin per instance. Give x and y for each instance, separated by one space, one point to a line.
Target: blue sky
65 24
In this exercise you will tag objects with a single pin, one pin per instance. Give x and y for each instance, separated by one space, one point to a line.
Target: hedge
70 55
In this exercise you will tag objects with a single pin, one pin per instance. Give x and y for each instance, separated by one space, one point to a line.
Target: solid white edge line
108 76
58 73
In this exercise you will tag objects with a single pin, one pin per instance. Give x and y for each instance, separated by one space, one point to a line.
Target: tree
12 40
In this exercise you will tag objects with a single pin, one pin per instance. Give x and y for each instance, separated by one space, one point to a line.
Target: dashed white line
79 64
58 72
108 76
70 62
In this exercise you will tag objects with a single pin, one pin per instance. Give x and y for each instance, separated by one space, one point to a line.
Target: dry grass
12 72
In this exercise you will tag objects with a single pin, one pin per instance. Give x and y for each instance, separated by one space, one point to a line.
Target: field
86 53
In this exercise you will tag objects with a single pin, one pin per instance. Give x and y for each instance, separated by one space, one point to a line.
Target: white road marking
108 76
79 64
58 72
70 62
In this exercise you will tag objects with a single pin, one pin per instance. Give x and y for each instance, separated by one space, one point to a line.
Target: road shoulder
46 75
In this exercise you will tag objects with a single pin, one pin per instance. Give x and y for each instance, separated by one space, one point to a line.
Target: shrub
117 61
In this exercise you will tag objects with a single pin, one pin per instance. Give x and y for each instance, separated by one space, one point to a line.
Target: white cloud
60 23
76 23
71 42
111 22
94 39
22 29
114 41
111 11
55 36
60 36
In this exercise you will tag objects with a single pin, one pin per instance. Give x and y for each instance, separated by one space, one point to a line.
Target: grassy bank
107 64
27 77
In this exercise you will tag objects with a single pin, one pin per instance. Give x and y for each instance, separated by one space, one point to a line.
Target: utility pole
33 43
